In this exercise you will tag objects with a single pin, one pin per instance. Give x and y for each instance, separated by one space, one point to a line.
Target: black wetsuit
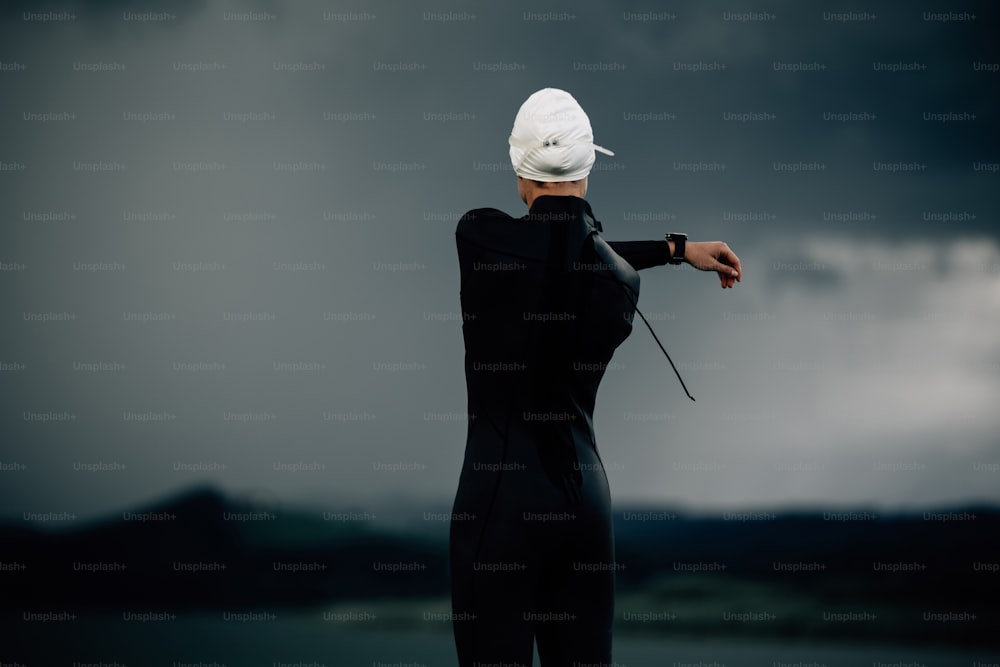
545 302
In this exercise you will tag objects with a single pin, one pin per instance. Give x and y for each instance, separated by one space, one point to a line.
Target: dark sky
228 240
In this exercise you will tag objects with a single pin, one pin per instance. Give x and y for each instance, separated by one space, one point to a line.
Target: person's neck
557 189
552 194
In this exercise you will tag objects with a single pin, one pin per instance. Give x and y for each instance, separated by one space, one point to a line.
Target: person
545 302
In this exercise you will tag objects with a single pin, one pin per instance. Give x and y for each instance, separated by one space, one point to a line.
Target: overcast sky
228 240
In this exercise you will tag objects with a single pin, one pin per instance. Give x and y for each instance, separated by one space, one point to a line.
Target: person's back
545 302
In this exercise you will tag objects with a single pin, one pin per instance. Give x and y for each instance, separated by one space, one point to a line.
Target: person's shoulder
485 214
479 216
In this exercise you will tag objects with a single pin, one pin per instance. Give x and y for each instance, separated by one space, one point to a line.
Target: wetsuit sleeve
642 254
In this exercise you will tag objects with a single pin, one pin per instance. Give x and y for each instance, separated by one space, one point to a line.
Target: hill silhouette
922 576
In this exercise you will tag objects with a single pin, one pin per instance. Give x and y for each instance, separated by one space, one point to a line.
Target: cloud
874 337
88 10
894 368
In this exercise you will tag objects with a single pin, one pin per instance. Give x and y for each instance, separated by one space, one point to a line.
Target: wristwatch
679 240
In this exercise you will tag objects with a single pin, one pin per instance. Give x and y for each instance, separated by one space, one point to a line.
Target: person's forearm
643 254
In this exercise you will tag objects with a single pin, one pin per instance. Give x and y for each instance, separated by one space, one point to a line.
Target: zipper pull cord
635 304
665 353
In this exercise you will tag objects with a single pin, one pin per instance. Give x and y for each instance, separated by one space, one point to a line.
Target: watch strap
680 243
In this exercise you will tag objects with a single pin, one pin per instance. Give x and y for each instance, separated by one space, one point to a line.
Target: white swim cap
552 139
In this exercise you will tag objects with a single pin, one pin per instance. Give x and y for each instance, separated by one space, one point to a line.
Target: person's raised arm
643 254
702 255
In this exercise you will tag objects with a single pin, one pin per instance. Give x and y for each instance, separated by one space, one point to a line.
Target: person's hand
714 256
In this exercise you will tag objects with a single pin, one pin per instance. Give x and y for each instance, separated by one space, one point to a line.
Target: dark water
305 638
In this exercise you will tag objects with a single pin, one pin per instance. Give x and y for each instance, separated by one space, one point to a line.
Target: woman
545 302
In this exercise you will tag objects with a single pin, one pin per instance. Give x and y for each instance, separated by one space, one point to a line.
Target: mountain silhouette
930 576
